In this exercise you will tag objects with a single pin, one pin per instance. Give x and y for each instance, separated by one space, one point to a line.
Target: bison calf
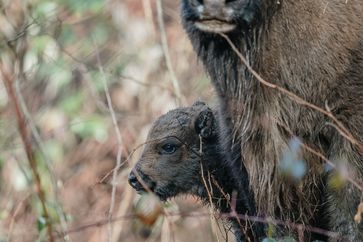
182 155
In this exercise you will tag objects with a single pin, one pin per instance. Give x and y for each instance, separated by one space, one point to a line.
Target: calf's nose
133 180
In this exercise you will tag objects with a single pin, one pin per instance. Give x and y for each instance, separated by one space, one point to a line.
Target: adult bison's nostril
196 3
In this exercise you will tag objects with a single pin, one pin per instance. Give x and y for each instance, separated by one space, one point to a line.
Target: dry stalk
164 44
212 214
38 141
298 227
13 216
127 196
149 16
85 67
24 134
233 208
127 160
295 226
119 142
20 40
210 192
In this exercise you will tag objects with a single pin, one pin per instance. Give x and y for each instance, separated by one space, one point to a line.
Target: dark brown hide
182 155
313 49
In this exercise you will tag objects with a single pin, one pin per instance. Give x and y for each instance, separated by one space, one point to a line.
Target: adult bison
313 49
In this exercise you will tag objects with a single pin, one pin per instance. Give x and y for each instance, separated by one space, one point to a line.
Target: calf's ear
205 124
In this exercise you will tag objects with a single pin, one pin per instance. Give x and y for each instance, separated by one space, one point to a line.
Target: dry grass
142 88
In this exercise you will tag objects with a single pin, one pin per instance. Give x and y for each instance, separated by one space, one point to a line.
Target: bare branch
119 142
8 79
267 220
340 127
164 43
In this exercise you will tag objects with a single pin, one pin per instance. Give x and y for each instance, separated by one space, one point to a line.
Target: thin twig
210 193
119 142
321 156
232 205
24 133
149 16
293 225
38 140
212 214
339 126
138 147
164 44
85 67
13 216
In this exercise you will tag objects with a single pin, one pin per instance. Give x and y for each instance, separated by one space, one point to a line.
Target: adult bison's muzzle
219 16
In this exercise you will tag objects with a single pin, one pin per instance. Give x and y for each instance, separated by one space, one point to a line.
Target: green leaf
83 6
100 34
97 79
95 127
45 11
38 43
72 104
62 77
54 150
41 223
58 72
67 36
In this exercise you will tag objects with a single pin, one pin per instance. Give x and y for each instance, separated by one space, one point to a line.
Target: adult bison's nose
214 16
209 8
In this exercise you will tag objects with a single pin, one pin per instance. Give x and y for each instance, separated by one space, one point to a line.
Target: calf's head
170 162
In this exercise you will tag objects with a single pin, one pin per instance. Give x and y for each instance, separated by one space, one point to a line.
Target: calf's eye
169 148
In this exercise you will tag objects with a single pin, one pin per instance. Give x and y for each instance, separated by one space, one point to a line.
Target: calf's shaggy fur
182 155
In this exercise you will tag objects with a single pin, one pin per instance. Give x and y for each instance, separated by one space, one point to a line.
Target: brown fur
196 161
313 49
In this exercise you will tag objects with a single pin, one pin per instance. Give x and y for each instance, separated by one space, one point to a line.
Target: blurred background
66 62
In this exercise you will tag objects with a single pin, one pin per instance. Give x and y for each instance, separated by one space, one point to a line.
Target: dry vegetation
80 84
63 59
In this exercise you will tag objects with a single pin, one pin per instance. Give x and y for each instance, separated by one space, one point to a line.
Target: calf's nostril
133 179
140 185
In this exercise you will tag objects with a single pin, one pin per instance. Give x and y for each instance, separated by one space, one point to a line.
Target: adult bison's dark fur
182 155
313 49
